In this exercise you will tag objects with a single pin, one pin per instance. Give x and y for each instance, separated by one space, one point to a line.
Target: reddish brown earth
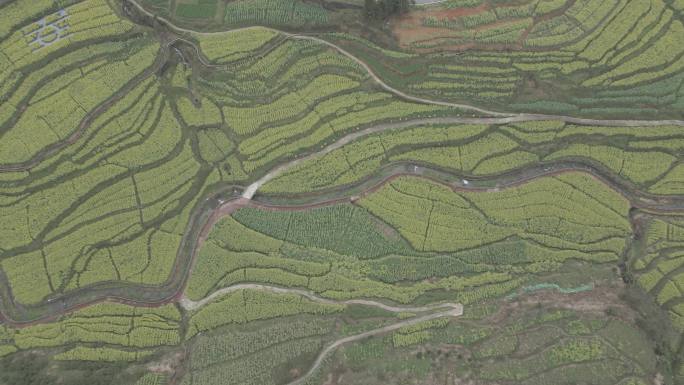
408 29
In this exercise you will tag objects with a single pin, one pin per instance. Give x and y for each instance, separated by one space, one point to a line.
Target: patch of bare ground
167 364
659 379
599 300
388 231
295 373
409 30
459 381
336 376
330 380
171 364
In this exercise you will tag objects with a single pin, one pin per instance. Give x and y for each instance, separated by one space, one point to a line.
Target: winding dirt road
215 208
330 348
451 310
280 169
518 117
190 305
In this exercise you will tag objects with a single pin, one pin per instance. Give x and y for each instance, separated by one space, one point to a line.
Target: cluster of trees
382 9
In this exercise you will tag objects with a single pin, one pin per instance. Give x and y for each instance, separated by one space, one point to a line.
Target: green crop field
340 192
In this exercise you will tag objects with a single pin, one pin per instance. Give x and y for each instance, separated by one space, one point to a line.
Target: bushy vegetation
284 13
35 369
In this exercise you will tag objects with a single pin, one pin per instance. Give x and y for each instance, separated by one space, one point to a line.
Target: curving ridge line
188 304
155 296
518 117
332 45
639 199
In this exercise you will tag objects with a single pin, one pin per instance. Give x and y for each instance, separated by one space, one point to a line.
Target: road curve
190 305
330 348
252 189
503 117
657 204
452 310
518 117
217 206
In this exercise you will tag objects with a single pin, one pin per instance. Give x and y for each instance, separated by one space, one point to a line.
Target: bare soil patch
599 300
408 29
168 364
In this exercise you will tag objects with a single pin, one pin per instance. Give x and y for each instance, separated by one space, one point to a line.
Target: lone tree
382 9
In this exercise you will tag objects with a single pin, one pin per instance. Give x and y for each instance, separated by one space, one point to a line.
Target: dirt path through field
450 310
190 305
505 117
357 337
145 295
519 117
282 168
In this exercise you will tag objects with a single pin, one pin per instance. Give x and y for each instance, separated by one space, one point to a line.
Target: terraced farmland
481 192
646 158
587 57
572 57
